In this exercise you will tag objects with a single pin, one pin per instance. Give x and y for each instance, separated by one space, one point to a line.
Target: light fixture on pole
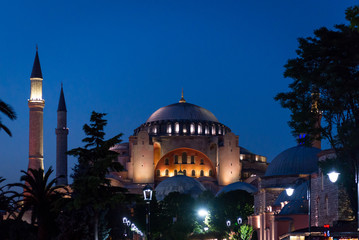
333 176
239 221
147 196
289 191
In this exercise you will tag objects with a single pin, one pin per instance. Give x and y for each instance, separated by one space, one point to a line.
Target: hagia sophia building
178 139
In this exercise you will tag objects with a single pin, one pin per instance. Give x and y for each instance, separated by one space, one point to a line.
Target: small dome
181 184
294 161
182 111
238 186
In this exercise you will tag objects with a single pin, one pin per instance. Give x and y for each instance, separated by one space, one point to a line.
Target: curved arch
201 163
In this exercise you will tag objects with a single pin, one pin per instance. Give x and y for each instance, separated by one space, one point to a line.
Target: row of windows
193 173
184 159
192 129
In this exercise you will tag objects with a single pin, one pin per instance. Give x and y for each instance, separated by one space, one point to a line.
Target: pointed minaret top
182 100
36 68
62 104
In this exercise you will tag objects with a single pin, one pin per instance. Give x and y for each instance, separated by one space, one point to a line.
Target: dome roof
294 161
181 184
238 186
182 111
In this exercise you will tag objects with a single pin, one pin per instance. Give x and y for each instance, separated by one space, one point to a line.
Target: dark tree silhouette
9 112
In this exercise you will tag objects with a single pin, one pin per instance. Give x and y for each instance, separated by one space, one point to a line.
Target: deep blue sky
129 58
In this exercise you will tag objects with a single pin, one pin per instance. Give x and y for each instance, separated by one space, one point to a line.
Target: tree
9 112
352 15
325 74
92 192
40 198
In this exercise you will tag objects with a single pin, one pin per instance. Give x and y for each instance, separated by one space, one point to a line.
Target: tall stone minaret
61 141
36 106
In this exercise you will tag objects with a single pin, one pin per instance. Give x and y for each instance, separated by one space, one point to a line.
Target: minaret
36 107
61 141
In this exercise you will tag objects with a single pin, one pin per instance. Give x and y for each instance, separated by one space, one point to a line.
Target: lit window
192 128
177 127
169 128
206 130
213 130
155 130
193 173
199 130
184 129
219 130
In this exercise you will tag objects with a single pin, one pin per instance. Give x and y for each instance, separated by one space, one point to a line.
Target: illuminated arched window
158 173
177 127
193 173
175 172
176 159
184 158
169 128
219 130
192 159
224 131
206 131
202 173
199 128
184 128
210 173
192 128
154 129
167 162
213 130
166 172
184 172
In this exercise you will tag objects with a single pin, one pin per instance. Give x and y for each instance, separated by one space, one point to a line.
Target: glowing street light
289 191
202 213
333 176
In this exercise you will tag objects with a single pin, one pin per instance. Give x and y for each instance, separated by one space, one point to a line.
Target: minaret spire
36 106
61 140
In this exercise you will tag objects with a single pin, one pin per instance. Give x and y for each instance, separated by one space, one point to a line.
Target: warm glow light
192 128
289 191
177 127
333 176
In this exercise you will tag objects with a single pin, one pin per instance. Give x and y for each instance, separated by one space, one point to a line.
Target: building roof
182 111
36 68
181 184
238 186
294 161
62 105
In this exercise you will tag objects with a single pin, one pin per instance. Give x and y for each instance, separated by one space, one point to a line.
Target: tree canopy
9 112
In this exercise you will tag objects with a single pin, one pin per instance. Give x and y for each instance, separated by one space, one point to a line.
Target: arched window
192 128
167 162
177 127
192 159
213 130
158 173
175 172
184 158
169 128
176 159
210 173
184 172
206 131
199 128
184 128
166 172
202 162
193 173
202 173
219 130
154 129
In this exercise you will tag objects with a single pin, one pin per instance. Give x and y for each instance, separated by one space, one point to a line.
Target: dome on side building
294 161
181 184
238 186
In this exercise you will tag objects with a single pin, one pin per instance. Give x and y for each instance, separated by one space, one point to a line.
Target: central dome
182 111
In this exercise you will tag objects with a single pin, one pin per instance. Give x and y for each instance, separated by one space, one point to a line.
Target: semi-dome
238 186
182 111
181 184
294 161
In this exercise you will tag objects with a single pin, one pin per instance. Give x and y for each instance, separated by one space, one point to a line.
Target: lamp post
147 196
290 192
124 221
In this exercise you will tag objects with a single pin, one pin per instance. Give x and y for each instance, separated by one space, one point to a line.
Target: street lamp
239 221
289 191
333 176
202 213
147 196
125 222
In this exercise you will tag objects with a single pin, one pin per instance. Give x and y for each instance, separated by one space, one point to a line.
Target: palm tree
40 197
9 112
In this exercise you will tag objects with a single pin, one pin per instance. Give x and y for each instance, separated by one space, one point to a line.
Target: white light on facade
289 191
333 176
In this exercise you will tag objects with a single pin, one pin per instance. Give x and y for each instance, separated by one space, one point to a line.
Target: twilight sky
129 58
